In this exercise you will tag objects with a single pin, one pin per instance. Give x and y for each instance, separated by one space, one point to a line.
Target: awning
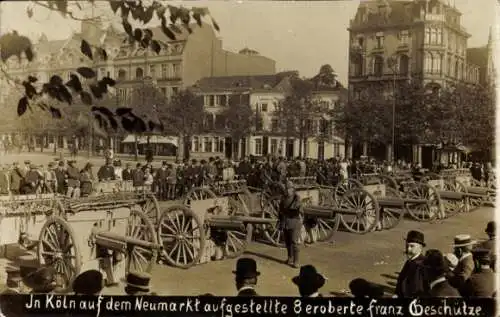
154 139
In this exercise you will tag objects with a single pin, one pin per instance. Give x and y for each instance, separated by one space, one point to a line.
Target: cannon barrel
313 211
243 220
227 223
119 242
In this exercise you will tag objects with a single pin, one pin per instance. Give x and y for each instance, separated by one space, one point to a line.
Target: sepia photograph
248 148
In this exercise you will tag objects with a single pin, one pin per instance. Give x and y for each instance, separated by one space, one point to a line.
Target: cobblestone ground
376 256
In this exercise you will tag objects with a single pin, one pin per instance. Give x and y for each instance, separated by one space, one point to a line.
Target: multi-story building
483 57
393 41
180 63
263 94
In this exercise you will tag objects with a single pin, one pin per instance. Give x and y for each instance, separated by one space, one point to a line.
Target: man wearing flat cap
290 222
245 277
462 248
482 282
411 280
490 244
309 281
435 269
137 283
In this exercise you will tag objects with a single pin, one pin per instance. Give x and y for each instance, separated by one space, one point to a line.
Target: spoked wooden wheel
199 193
451 207
181 233
344 186
321 229
429 205
476 202
272 233
237 239
58 248
151 208
364 208
390 217
139 258
388 181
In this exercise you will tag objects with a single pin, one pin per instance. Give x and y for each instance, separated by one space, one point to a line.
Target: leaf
138 34
102 86
127 27
155 46
127 124
125 11
74 83
56 113
148 15
32 79
96 91
29 54
86 49
160 11
176 29
105 111
168 33
216 26
29 90
185 16
55 80
100 121
108 81
102 53
65 94
86 98
43 106
123 111
86 72
145 43
22 106
29 12
115 5
174 13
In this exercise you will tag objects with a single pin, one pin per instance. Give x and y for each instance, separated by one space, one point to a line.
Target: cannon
190 233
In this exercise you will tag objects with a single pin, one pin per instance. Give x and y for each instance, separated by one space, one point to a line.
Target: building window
175 90
263 107
274 125
404 37
177 70
196 144
221 100
258 146
380 40
103 72
457 69
378 66
336 149
428 63
361 42
274 146
357 62
210 100
434 37
321 150
440 36
164 71
404 65
164 91
122 74
208 144
427 35
216 144
152 71
436 64
122 94
139 73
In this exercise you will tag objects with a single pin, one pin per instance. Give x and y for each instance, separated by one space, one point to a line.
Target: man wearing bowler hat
482 282
436 267
290 214
490 243
90 282
462 248
246 277
309 281
138 283
411 280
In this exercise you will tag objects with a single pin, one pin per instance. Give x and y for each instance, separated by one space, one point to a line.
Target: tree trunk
56 138
136 148
300 147
186 142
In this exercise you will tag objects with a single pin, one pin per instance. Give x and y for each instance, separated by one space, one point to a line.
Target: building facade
418 40
264 94
180 63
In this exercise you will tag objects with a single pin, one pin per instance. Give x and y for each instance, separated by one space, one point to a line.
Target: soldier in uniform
106 172
73 180
290 214
309 281
411 280
246 277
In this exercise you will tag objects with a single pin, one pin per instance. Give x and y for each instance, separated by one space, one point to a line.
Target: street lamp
392 62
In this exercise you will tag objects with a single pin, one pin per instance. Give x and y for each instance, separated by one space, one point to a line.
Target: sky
299 35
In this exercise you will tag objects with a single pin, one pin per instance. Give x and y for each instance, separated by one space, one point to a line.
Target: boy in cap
482 282
411 280
246 277
436 268
309 281
290 212
462 248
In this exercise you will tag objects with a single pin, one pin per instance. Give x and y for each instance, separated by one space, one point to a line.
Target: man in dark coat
31 181
73 180
411 280
435 267
462 248
106 172
138 176
127 172
482 282
16 179
309 281
246 277
160 181
61 178
490 243
290 219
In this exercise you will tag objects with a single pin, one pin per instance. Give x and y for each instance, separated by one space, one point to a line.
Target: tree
240 119
84 84
325 77
185 114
